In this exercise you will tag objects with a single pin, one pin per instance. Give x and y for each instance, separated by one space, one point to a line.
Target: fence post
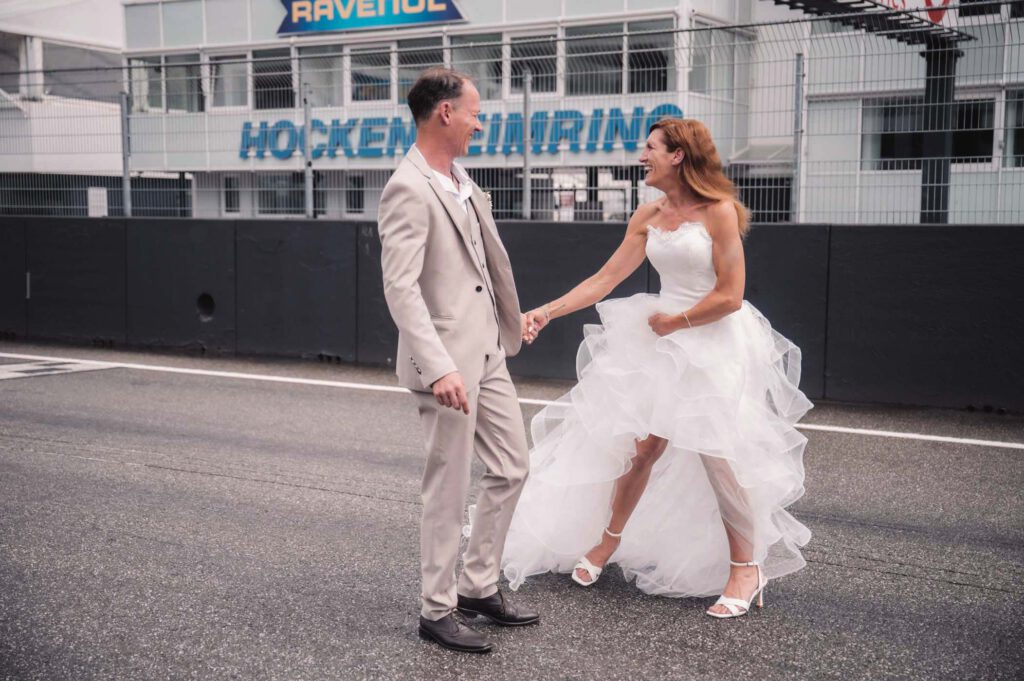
126 156
798 135
527 130
307 131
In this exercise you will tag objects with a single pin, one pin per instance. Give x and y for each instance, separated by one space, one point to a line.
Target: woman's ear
677 157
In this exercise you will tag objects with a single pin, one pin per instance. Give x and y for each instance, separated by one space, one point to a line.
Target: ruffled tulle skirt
725 397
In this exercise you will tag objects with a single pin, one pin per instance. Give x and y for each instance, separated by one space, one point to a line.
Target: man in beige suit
448 285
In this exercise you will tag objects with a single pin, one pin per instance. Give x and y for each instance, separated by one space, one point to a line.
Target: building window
230 80
355 200
147 84
79 73
232 197
280 194
371 75
712 60
1017 9
593 66
272 79
414 56
979 7
539 55
320 70
183 83
893 133
480 57
651 55
1013 153
974 134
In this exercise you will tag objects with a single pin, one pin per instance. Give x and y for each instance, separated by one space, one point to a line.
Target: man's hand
664 324
533 322
450 391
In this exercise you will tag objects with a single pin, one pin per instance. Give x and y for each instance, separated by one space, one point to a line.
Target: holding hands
533 322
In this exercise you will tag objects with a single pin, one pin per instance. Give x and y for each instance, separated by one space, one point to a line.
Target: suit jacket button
479 289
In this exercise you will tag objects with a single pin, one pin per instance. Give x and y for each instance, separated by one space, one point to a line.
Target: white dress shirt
465 188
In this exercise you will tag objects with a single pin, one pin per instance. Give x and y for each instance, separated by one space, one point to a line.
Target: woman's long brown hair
701 169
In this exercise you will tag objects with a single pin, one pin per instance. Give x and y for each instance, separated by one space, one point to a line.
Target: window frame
224 194
246 57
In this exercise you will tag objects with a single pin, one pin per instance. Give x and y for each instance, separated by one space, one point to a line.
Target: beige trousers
494 431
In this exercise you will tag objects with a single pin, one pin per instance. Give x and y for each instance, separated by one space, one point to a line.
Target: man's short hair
434 86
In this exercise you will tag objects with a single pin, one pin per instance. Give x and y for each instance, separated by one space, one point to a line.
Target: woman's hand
664 324
533 322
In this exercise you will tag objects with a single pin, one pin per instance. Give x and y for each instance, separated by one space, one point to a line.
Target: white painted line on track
295 380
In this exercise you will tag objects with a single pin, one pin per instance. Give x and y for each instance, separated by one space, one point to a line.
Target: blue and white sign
378 136
318 16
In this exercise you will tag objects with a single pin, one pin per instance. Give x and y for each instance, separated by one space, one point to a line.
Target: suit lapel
487 225
451 205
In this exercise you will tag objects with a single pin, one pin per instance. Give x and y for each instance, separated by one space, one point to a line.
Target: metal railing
816 119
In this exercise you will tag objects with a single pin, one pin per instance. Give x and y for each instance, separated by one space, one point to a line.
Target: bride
675 454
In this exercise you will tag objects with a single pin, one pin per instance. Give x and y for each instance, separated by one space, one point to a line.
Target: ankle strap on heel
612 534
750 564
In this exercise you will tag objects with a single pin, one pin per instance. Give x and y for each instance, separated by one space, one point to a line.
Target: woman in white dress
675 455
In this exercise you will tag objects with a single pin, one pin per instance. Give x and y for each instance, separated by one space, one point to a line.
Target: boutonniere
490 203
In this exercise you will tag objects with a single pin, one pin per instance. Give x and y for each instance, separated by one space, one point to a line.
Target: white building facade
219 90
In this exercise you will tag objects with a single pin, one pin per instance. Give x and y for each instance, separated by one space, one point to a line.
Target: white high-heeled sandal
738 607
592 570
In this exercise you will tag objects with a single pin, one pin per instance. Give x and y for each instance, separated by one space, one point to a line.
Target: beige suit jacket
433 283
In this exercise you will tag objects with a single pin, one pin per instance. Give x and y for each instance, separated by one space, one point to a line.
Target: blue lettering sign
559 131
248 141
401 136
379 136
617 127
338 137
368 137
292 139
317 16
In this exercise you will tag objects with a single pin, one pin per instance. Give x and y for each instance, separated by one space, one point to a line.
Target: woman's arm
627 257
730 271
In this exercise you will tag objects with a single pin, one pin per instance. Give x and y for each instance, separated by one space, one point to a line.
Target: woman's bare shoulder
721 215
643 214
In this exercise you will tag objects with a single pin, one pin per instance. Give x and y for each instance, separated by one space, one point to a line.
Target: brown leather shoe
452 632
498 609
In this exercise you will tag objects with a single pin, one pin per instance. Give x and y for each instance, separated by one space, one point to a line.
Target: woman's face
660 164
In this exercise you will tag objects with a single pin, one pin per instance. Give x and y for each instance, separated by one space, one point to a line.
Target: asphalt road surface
183 517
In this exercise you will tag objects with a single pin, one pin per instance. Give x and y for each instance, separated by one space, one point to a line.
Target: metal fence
849 118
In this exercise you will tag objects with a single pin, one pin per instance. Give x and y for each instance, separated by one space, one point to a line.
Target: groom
449 287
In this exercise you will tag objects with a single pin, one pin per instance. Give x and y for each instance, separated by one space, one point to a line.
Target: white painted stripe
523 400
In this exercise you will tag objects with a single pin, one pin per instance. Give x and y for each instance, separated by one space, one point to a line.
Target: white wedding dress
725 397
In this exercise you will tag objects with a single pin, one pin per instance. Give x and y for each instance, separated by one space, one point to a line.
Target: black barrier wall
76 272
548 259
297 288
181 284
13 305
885 314
927 315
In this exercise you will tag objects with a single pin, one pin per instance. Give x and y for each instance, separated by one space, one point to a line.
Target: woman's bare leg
626 495
738 520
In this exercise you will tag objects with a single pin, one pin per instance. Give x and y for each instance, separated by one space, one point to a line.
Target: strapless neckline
681 227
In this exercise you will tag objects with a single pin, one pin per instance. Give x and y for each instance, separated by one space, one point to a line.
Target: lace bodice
682 257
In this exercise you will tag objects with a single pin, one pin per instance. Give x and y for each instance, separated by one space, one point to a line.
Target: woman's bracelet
547 311
688 324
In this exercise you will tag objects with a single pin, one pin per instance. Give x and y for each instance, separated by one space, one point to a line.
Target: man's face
464 120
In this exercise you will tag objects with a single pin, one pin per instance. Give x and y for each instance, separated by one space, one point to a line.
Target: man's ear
444 111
